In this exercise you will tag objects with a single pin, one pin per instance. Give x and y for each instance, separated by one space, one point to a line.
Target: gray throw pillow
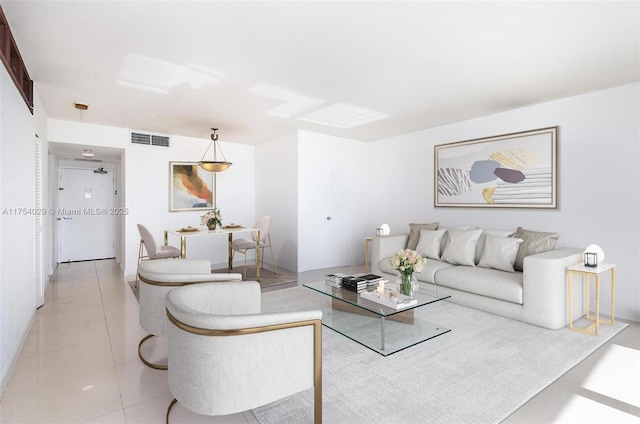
533 242
414 233
500 252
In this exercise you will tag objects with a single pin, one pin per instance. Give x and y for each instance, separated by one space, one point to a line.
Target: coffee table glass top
383 329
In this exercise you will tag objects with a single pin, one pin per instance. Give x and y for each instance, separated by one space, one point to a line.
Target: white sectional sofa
536 295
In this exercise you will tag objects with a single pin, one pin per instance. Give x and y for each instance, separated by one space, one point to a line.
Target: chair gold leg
245 265
273 258
144 361
171 405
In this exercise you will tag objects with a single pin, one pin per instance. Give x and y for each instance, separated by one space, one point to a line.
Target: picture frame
191 187
516 170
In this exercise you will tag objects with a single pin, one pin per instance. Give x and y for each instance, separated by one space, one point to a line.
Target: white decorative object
385 229
589 259
390 298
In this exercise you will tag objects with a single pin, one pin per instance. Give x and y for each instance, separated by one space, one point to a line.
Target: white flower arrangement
211 218
407 261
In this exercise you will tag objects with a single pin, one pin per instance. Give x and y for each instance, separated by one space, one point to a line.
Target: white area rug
480 372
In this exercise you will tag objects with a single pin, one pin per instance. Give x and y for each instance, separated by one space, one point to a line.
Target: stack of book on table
372 279
354 284
334 280
360 283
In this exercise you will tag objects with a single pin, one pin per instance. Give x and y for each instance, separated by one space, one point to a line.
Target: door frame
116 222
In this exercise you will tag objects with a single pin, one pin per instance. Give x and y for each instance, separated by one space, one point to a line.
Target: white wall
599 180
277 195
145 172
17 295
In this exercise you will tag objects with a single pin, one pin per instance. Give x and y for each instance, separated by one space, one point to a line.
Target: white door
335 231
85 214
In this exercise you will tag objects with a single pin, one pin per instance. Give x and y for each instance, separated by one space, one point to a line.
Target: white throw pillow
445 239
429 244
481 241
461 249
500 253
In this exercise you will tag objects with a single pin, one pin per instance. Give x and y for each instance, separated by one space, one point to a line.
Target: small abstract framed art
517 170
190 187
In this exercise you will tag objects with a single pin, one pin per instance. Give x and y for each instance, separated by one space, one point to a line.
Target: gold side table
587 273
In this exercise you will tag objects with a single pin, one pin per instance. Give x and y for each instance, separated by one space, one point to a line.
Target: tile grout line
104 314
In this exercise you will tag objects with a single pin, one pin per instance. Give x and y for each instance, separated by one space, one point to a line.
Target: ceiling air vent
160 140
138 138
150 139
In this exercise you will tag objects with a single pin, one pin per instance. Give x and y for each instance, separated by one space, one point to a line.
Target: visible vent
149 139
137 138
160 140
88 160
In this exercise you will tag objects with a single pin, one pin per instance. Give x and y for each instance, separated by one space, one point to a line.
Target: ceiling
361 69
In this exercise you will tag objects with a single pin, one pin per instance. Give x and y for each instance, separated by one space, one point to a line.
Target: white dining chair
153 251
242 245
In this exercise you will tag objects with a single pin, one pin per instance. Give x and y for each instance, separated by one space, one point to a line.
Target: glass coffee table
381 328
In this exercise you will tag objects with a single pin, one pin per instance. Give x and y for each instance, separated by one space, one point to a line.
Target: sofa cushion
533 242
483 281
429 244
461 249
427 274
482 242
500 253
414 233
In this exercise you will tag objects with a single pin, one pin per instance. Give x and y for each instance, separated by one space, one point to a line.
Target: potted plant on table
407 262
212 219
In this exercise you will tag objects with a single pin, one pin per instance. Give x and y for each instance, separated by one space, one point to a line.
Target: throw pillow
429 244
461 249
481 241
533 242
414 233
445 239
500 253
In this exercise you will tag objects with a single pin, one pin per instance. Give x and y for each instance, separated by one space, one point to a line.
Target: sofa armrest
545 288
385 247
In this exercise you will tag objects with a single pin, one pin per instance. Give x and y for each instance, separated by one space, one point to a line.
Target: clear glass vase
407 284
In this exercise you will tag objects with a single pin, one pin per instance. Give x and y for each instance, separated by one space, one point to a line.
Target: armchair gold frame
173 284
317 352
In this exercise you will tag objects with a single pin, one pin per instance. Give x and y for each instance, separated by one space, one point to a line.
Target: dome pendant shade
215 165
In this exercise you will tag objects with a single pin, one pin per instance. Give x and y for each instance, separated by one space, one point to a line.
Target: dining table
185 233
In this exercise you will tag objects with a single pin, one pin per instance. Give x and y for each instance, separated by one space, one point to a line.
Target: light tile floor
80 365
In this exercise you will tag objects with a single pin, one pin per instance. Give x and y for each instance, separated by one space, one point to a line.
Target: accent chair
160 276
226 357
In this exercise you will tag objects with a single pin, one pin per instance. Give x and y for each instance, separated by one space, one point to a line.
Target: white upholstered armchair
226 357
157 278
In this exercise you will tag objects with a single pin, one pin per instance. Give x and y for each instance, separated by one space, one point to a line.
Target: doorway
86 214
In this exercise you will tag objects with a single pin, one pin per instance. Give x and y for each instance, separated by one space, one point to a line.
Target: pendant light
215 165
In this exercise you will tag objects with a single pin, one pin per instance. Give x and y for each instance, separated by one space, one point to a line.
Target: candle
381 287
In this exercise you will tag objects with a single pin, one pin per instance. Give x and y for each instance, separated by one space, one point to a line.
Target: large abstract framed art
190 187
517 170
